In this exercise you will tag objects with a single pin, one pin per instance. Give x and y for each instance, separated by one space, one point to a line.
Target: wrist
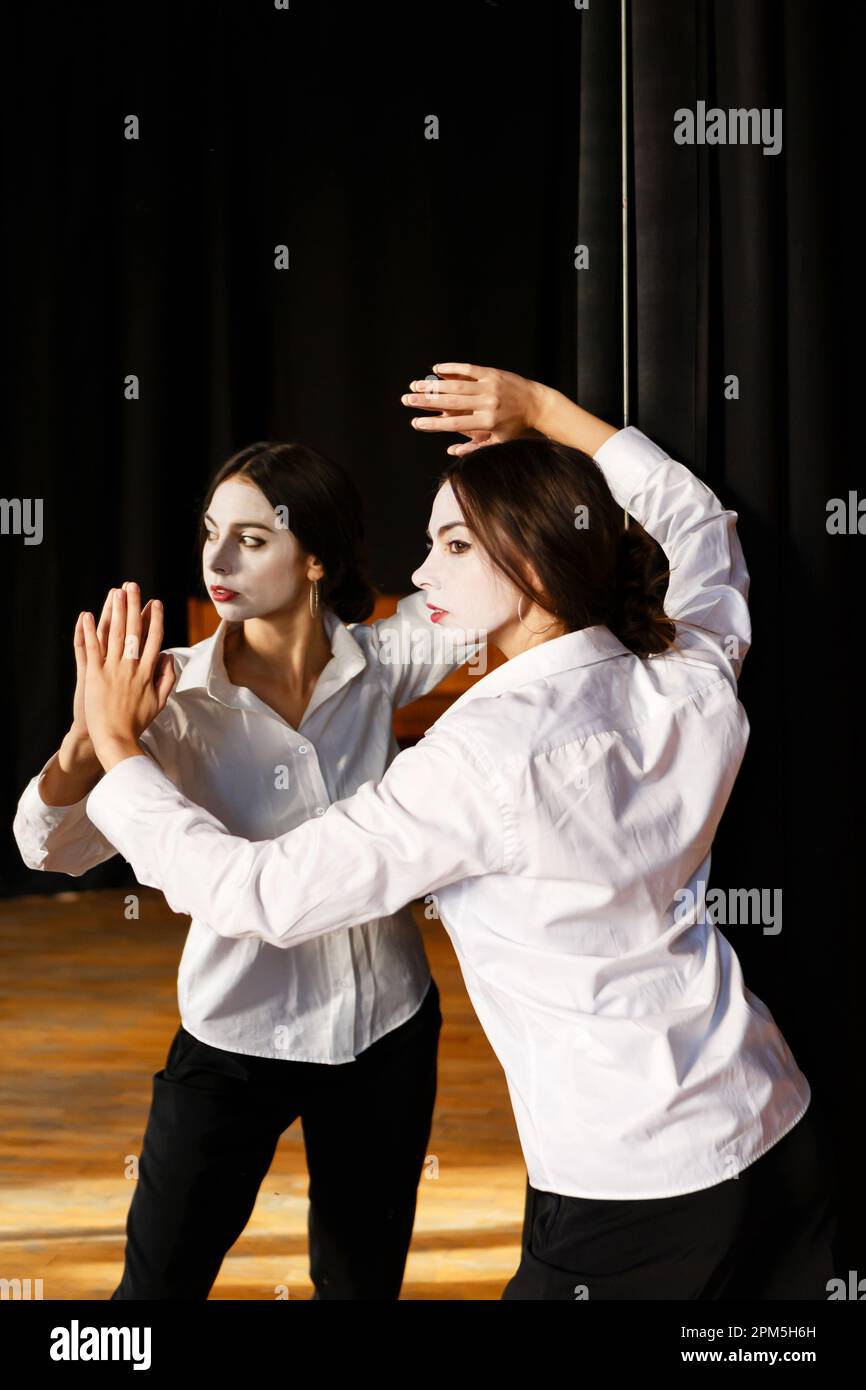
71 774
114 750
564 421
77 753
539 405
550 410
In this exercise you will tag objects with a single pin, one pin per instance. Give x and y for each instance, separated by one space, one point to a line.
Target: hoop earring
535 631
314 593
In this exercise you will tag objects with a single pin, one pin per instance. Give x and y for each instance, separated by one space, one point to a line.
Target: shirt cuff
116 803
32 806
627 459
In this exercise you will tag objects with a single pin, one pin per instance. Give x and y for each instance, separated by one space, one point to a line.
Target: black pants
214 1123
766 1234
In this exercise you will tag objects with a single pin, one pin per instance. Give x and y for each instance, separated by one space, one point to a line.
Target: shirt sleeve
415 654
436 817
63 839
708 589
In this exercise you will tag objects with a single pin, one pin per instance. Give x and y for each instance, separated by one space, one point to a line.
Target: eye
464 547
254 541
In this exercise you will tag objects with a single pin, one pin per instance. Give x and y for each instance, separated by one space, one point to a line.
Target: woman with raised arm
286 708
562 811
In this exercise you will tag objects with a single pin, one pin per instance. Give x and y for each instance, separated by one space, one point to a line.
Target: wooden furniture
410 722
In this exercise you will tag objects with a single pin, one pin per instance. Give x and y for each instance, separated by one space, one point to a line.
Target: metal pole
624 161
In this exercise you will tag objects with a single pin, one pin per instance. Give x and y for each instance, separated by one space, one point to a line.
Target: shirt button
320 810
302 748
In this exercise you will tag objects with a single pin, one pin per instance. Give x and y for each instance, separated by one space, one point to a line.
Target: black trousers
766 1234
214 1123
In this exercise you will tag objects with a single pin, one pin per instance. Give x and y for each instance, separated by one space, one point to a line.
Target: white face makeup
248 553
459 577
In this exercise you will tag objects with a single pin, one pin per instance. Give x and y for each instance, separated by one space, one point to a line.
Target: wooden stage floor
87 1012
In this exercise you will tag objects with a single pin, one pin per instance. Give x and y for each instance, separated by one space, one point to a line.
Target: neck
291 646
515 638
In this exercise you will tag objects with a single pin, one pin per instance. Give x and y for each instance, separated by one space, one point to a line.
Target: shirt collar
205 668
572 650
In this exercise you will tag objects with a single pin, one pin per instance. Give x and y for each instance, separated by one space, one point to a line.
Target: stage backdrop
308 127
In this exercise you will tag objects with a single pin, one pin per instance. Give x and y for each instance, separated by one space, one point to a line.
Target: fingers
438 400
132 639
105 622
459 369
154 640
91 642
116 626
459 424
426 387
104 627
164 679
476 443
145 620
124 623
79 647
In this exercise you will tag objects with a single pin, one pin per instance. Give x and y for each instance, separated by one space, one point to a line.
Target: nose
218 560
423 576
218 565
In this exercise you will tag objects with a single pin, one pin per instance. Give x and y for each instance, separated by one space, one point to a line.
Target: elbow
41 862
34 858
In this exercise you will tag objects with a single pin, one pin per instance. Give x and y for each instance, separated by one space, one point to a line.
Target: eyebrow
257 525
449 525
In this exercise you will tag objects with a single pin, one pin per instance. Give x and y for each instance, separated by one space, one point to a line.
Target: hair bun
637 615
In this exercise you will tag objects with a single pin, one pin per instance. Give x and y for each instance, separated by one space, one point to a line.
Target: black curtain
306 127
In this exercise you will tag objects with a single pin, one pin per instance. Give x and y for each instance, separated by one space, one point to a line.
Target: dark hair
521 499
325 512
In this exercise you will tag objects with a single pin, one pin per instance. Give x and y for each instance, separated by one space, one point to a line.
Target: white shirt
556 809
225 748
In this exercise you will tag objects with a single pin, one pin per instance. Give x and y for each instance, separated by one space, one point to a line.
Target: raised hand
484 403
78 732
127 685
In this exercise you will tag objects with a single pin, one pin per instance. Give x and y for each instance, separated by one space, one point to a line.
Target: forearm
561 419
282 891
431 821
72 773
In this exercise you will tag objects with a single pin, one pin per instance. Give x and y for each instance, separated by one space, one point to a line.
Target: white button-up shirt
260 777
559 810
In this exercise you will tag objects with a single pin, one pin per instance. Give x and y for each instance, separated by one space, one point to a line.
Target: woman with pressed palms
561 810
